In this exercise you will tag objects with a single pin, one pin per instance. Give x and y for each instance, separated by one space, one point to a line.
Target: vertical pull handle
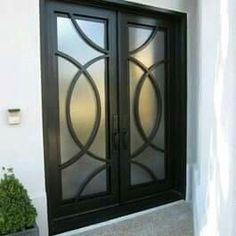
125 133
115 133
115 140
125 139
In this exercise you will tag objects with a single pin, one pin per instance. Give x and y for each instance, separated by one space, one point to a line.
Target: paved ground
173 220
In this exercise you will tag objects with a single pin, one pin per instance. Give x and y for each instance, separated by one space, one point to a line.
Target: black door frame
179 90
60 206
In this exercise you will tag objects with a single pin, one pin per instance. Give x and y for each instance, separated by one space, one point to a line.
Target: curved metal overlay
145 168
84 147
137 119
146 42
85 37
147 74
88 180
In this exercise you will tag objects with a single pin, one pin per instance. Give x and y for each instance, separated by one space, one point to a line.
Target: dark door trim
179 90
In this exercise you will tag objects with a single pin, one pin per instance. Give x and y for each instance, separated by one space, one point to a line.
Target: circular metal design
147 74
84 148
146 138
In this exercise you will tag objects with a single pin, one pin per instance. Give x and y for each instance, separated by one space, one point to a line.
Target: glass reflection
71 43
75 175
95 31
83 106
66 72
154 52
138 36
148 108
97 72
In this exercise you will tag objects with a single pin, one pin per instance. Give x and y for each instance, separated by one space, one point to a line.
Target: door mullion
123 105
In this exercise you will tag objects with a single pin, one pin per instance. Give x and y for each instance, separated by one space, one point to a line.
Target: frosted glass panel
66 73
82 109
147 106
154 51
97 72
83 119
97 185
139 175
159 73
75 175
71 43
138 36
95 31
135 74
154 161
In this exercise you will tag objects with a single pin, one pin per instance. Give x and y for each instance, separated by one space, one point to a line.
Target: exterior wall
214 189
21 146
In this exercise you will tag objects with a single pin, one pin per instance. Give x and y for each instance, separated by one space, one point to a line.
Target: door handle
125 133
115 132
115 140
125 139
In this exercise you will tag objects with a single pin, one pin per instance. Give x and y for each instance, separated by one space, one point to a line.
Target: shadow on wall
215 193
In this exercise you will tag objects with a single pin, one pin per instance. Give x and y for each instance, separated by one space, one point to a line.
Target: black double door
111 114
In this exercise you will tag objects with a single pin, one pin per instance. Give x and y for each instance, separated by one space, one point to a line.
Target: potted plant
17 214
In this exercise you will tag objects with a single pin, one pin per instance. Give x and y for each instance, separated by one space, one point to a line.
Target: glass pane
138 36
83 110
95 31
139 175
97 72
135 74
97 184
66 73
159 74
148 107
154 161
75 175
154 52
71 43
83 119
147 148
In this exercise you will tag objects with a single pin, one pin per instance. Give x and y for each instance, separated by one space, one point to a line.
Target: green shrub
16 210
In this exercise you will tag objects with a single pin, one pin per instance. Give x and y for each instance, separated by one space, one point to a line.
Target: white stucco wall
214 189
21 146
